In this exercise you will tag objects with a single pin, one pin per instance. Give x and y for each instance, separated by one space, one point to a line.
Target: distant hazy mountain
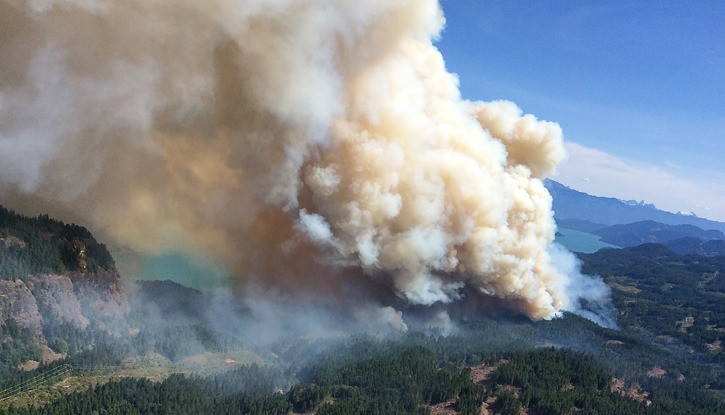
649 231
570 204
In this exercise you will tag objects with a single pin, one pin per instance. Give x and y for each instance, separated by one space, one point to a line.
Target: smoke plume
319 148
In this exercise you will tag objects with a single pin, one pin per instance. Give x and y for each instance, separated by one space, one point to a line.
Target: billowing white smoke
590 297
319 147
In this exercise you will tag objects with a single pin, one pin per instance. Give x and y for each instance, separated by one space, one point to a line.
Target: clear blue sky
638 87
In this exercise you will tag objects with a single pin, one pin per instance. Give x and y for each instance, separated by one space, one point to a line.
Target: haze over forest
292 206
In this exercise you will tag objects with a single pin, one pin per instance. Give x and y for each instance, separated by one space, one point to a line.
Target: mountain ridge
649 231
571 204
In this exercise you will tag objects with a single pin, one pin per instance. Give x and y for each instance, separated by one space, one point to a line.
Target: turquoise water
194 272
577 241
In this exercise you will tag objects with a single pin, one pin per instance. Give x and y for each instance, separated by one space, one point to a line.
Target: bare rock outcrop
18 303
56 299
101 294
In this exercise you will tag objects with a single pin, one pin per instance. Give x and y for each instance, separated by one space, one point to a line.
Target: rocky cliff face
18 304
53 274
77 299
101 294
57 299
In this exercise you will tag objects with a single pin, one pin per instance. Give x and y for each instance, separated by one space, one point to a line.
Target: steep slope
55 280
573 204
55 296
19 312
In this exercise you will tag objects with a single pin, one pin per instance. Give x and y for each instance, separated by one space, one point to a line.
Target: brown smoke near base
320 148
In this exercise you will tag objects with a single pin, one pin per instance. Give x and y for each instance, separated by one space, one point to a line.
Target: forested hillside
638 233
416 374
59 290
165 356
30 246
675 299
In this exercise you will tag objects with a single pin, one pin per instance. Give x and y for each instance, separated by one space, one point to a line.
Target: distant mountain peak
681 213
638 203
573 205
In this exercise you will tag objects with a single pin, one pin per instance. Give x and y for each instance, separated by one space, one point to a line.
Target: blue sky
638 87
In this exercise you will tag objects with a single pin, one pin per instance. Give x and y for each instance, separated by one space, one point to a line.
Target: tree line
40 245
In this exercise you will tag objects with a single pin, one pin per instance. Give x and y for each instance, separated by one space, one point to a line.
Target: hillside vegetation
59 290
163 355
676 299
41 245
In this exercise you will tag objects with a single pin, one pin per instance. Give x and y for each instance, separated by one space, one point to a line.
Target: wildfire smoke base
319 148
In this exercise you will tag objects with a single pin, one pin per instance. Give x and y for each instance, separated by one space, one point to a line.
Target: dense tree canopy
40 245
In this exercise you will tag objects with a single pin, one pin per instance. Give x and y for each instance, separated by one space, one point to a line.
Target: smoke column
318 147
